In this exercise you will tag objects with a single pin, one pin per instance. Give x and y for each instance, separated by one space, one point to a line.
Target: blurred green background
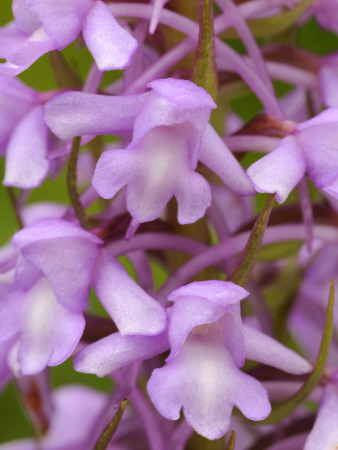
13 423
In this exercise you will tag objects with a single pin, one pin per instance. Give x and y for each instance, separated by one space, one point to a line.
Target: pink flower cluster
162 169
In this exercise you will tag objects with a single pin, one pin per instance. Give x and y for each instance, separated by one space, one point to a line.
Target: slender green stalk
109 431
241 273
285 409
204 70
72 184
231 442
14 203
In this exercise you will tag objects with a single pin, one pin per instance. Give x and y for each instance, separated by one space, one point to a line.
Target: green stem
72 184
286 408
231 442
109 431
14 203
240 275
204 70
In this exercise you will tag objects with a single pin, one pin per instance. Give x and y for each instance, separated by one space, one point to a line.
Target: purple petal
66 254
216 155
159 161
26 163
13 91
203 380
26 274
131 308
223 293
20 49
188 313
23 57
51 229
318 138
157 8
49 332
11 39
111 46
10 307
328 78
25 19
234 337
324 434
113 170
37 211
115 351
279 171
176 102
332 188
76 411
62 20
185 94
262 348
76 114
193 196
5 371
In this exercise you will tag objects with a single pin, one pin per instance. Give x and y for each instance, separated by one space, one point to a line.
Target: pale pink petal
328 79
26 163
279 171
10 307
115 351
324 434
223 293
157 8
49 332
51 229
186 314
218 158
262 348
318 138
77 113
193 196
113 170
25 19
111 46
66 254
11 39
203 380
61 19
35 45
131 308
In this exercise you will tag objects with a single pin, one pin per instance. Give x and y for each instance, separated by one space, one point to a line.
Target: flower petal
62 20
186 314
77 114
66 254
218 158
324 434
10 307
279 171
49 332
111 46
223 293
131 308
262 348
193 196
113 170
25 19
318 138
115 351
26 163
13 91
51 229
203 380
